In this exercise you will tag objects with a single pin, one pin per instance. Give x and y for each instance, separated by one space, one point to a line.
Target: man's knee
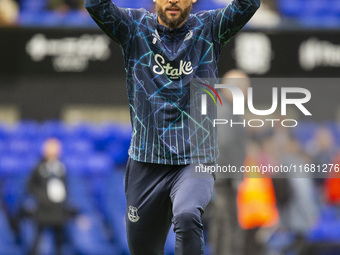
187 221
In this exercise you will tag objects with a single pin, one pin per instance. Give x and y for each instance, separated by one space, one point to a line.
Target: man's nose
173 1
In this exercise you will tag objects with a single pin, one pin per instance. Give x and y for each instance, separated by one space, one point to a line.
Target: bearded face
173 15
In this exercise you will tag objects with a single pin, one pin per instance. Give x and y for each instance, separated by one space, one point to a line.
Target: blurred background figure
268 15
323 151
9 11
297 200
48 186
225 233
332 185
256 201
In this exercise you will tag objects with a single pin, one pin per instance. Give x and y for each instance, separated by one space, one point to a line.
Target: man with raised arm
162 53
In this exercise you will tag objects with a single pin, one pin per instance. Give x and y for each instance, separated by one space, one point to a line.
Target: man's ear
193 1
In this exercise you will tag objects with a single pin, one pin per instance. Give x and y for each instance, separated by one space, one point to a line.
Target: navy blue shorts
158 195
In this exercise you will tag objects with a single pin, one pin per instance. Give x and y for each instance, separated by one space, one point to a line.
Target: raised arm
229 20
114 21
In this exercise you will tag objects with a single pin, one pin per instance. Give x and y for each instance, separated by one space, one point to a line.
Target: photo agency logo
242 102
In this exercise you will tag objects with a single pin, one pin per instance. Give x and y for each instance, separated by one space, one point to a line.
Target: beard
173 22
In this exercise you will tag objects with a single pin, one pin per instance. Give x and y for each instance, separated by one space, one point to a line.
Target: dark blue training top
159 64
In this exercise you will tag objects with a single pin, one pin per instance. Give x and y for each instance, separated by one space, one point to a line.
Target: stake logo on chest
162 67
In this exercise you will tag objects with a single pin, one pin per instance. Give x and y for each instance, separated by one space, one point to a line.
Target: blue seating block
327 228
88 236
291 8
7 241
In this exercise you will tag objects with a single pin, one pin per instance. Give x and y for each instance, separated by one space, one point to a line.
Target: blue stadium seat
14 192
3 147
312 13
114 207
291 8
28 18
117 146
98 164
335 130
78 19
335 7
304 132
33 5
26 130
77 147
89 237
52 18
52 128
109 133
87 165
75 165
27 233
47 244
7 240
20 147
101 137
10 250
321 22
79 195
317 7
209 5
279 241
327 228
80 131
5 132
11 165
133 4
119 151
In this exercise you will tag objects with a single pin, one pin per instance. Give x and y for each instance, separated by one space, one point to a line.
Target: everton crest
133 214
